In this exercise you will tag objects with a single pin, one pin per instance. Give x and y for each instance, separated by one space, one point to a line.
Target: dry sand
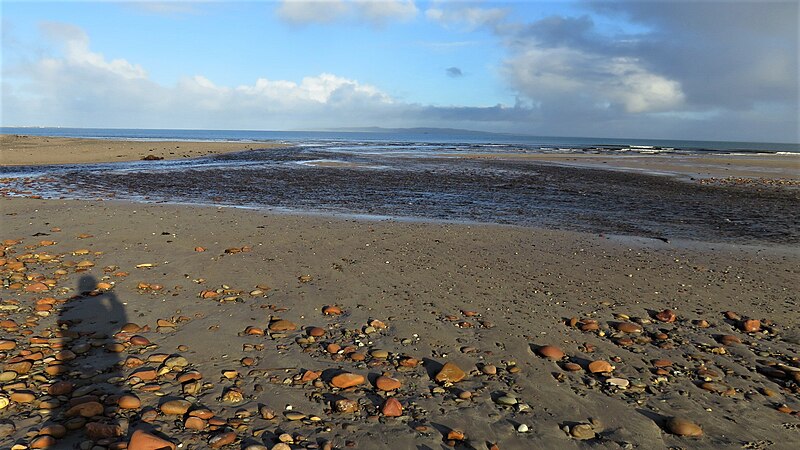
40 150
482 297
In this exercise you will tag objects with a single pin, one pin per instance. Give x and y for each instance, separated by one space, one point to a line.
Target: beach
222 327
18 150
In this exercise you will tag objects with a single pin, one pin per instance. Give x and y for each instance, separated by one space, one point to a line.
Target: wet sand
209 285
768 166
18 150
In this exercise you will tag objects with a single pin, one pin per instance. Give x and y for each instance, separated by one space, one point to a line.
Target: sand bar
772 166
209 283
41 150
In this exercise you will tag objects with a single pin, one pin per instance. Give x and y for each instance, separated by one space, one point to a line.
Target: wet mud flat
505 192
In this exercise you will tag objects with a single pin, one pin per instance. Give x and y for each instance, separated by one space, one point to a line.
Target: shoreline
209 285
19 150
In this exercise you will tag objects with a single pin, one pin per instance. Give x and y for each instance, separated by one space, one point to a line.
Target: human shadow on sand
87 378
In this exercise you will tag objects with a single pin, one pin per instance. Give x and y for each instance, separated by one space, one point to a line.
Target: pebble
751 326
683 427
450 373
222 439
129 402
628 327
385 383
550 352
175 407
582 431
345 406
619 382
331 310
282 325
142 440
600 366
392 408
506 400
667 316
346 380
522 428
489 369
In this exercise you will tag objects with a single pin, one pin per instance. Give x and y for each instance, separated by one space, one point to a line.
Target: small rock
450 373
600 366
142 440
550 352
385 383
346 380
582 431
392 408
683 427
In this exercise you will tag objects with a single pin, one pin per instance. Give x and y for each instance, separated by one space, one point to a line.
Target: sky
703 69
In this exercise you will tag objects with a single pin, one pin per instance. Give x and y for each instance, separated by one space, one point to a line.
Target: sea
426 175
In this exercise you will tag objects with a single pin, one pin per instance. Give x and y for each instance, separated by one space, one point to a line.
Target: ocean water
415 136
417 176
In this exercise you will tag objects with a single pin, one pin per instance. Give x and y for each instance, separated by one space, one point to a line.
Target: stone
683 427
522 428
176 362
294 415
331 310
618 382
506 400
129 401
346 406
450 373
222 439
666 315
582 431
346 380
489 369
142 440
456 435
88 409
177 407
96 431
60 388
751 326
600 366
58 431
392 408
194 423
315 331
282 325
729 339
385 383
550 352
628 327
43 442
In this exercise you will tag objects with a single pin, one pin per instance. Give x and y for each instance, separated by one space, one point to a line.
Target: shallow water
412 180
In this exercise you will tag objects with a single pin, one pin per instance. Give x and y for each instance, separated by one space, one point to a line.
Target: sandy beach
18 150
219 334
145 326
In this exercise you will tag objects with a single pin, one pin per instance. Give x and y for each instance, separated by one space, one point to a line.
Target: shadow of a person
90 376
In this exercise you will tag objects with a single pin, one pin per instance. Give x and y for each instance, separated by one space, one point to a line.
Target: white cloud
564 74
375 12
80 87
77 53
465 15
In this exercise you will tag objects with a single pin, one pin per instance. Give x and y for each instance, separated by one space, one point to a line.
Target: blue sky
681 70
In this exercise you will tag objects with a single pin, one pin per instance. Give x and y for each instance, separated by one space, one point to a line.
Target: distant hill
417 130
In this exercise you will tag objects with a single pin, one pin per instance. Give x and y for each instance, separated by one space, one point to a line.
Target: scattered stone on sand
450 373
550 352
683 427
